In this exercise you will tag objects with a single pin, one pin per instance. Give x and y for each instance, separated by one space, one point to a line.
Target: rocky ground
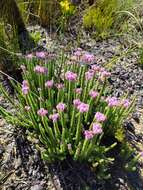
21 166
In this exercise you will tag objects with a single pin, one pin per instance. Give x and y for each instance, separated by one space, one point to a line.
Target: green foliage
141 57
36 36
103 16
64 103
128 155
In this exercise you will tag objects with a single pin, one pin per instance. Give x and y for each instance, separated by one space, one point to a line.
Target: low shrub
63 100
141 57
104 16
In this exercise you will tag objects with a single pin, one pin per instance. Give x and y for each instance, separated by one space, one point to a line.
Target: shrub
67 9
141 57
64 101
103 16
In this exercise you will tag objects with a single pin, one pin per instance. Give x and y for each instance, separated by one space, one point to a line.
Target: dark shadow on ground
71 175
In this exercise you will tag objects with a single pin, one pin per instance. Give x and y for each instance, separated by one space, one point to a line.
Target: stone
37 187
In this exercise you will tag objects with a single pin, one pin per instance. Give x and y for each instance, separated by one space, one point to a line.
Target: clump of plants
103 16
63 100
68 10
141 57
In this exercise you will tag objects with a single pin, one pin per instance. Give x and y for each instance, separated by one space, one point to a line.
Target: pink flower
76 102
141 154
95 67
125 103
40 69
60 86
29 56
42 112
100 117
61 107
97 129
78 52
41 54
88 134
89 75
70 76
104 75
93 93
54 117
25 87
87 57
112 101
82 107
78 90
49 83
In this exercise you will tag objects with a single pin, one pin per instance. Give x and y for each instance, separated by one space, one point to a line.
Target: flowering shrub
64 102
67 9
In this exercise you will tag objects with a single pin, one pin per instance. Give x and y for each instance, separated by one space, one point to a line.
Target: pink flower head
95 67
89 58
78 52
93 93
97 129
40 69
100 117
88 134
29 56
82 107
79 49
112 101
49 83
41 54
25 87
76 102
141 154
54 117
42 112
60 86
105 74
61 107
78 90
125 103
89 75
70 76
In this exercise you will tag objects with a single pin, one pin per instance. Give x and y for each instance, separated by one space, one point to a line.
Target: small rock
136 117
129 126
37 187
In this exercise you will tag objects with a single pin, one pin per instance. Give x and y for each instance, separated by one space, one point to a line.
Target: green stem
78 131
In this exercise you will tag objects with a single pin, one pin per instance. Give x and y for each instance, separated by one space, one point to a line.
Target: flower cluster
41 54
61 107
49 83
96 130
54 117
93 93
40 69
42 112
25 87
100 117
70 76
